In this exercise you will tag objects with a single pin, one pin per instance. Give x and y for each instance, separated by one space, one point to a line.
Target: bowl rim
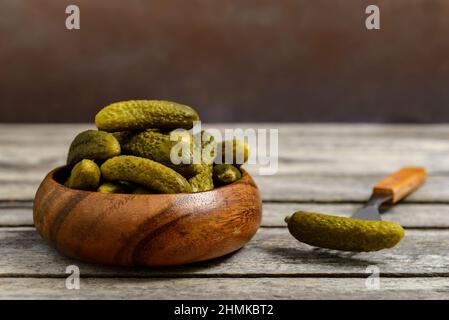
51 178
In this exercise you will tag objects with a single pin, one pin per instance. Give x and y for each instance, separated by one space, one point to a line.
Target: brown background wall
246 60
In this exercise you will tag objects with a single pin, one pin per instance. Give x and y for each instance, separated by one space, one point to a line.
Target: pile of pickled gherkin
135 145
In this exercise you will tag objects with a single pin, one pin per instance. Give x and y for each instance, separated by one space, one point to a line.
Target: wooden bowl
146 230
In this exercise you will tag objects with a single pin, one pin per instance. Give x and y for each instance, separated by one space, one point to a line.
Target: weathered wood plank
18 190
317 162
349 129
408 215
341 189
287 188
326 140
272 252
16 216
219 288
303 149
26 133
16 168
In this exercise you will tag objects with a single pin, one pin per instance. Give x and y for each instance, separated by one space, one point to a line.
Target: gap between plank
28 204
30 227
230 276
3 227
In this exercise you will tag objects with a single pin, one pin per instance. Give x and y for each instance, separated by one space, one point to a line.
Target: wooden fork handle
401 183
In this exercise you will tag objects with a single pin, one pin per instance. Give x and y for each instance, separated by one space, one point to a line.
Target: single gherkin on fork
364 231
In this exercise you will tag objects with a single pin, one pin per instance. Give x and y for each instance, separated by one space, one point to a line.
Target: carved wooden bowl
147 230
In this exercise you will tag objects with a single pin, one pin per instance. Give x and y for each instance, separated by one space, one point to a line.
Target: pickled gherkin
151 146
109 187
226 173
157 146
145 114
203 181
208 147
123 137
85 175
93 145
145 172
341 233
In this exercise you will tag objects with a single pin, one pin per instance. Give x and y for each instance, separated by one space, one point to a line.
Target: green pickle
346 234
85 175
132 151
226 173
203 181
145 172
93 145
208 147
123 137
144 114
158 146
110 187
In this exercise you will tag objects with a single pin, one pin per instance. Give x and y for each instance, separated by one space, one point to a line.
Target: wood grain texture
218 288
342 188
303 149
298 188
408 215
272 252
401 183
325 168
16 216
316 162
147 230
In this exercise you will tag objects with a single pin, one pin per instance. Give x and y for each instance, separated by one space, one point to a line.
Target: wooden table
322 167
